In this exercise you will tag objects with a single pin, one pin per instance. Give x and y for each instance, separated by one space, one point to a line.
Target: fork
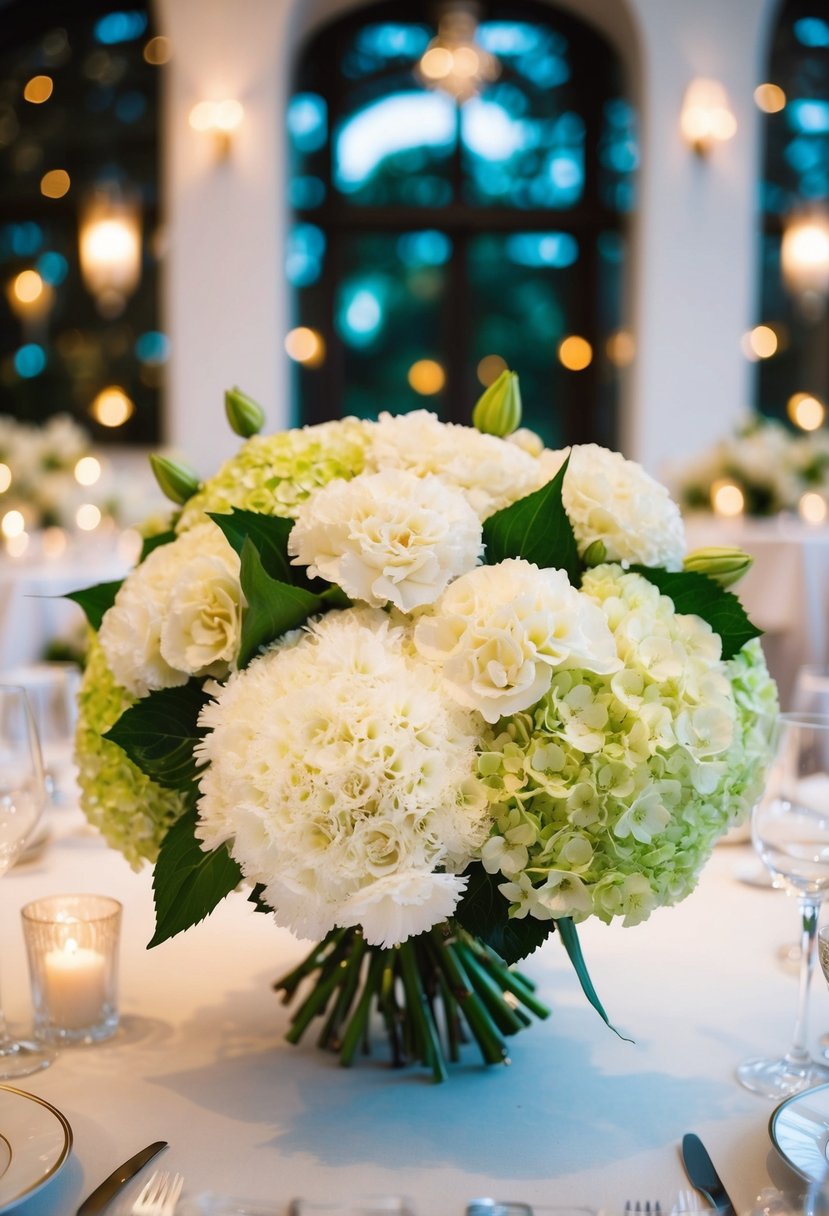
646 1208
159 1195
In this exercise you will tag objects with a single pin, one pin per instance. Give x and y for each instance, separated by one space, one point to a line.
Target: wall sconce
706 117
804 260
110 248
220 120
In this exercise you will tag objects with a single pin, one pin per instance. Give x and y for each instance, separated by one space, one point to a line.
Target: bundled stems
433 993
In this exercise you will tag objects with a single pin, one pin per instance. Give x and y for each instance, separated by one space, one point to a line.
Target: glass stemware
790 831
22 797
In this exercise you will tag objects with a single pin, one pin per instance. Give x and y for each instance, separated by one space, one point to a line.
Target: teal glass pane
388 311
522 139
100 125
618 153
525 292
307 127
396 149
797 137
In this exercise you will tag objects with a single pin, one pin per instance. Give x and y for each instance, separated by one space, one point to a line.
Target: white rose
614 500
499 631
387 537
176 615
202 630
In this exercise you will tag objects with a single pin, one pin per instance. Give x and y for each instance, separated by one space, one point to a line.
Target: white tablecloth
580 1117
786 592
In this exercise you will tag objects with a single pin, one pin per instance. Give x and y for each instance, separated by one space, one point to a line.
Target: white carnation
387 537
611 499
400 906
178 614
489 472
499 631
335 765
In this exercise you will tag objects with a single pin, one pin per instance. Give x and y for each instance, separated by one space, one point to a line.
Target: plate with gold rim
799 1130
35 1142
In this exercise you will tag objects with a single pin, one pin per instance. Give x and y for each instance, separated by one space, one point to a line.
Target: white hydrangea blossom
176 615
611 499
342 779
500 631
489 472
387 537
610 792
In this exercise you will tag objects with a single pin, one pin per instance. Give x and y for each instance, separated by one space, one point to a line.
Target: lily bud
246 416
177 481
595 553
726 564
498 409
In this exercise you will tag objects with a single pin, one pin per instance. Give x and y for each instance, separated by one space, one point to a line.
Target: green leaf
269 533
567 932
537 529
96 600
155 542
697 593
273 607
159 731
188 883
484 912
256 898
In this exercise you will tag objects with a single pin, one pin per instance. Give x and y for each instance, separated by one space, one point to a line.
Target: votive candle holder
72 944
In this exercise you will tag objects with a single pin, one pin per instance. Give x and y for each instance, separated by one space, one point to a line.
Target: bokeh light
426 377
806 411
490 368
88 516
727 498
812 507
55 183
575 353
38 89
770 98
87 471
112 407
305 346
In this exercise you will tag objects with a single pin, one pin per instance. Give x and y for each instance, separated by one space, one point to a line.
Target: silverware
110 1187
159 1195
700 1170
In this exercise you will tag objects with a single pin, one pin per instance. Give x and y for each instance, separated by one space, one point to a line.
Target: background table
786 592
580 1116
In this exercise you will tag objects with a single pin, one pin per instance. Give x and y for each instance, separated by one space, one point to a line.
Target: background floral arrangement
39 478
772 465
432 694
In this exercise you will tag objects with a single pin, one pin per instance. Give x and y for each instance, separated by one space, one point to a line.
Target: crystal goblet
790 831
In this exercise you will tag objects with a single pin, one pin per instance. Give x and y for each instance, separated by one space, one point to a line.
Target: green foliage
567 932
484 912
95 601
536 528
158 733
273 607
188 883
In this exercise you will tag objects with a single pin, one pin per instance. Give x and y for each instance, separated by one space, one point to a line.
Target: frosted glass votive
72 946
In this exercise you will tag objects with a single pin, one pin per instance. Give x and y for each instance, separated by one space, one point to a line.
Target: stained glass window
434 242
79 168
794 198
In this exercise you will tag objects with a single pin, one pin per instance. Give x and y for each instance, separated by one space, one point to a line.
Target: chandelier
453 62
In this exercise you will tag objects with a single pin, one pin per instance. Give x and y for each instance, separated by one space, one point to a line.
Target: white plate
799 1130
35 1141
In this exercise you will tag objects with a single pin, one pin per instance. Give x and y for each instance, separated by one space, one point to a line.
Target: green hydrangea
609 794
274 474
132 812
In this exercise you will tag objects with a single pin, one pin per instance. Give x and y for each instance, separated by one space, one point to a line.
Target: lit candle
75 982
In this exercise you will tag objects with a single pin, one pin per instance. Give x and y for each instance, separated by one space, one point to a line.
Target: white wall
692 292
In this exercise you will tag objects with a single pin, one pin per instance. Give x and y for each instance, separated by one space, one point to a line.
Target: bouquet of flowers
772 466
432 694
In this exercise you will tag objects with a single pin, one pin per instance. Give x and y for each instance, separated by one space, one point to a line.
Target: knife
700 1170
110 1187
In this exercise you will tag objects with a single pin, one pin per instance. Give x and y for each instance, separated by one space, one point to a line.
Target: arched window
434 241
794 362
79 327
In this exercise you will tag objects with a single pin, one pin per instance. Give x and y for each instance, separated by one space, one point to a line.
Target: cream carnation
178 614
387 537
499 631
335 762
489 472
611 499
398 906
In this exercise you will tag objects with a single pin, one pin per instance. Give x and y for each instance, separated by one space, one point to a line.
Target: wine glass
22 797
790 831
